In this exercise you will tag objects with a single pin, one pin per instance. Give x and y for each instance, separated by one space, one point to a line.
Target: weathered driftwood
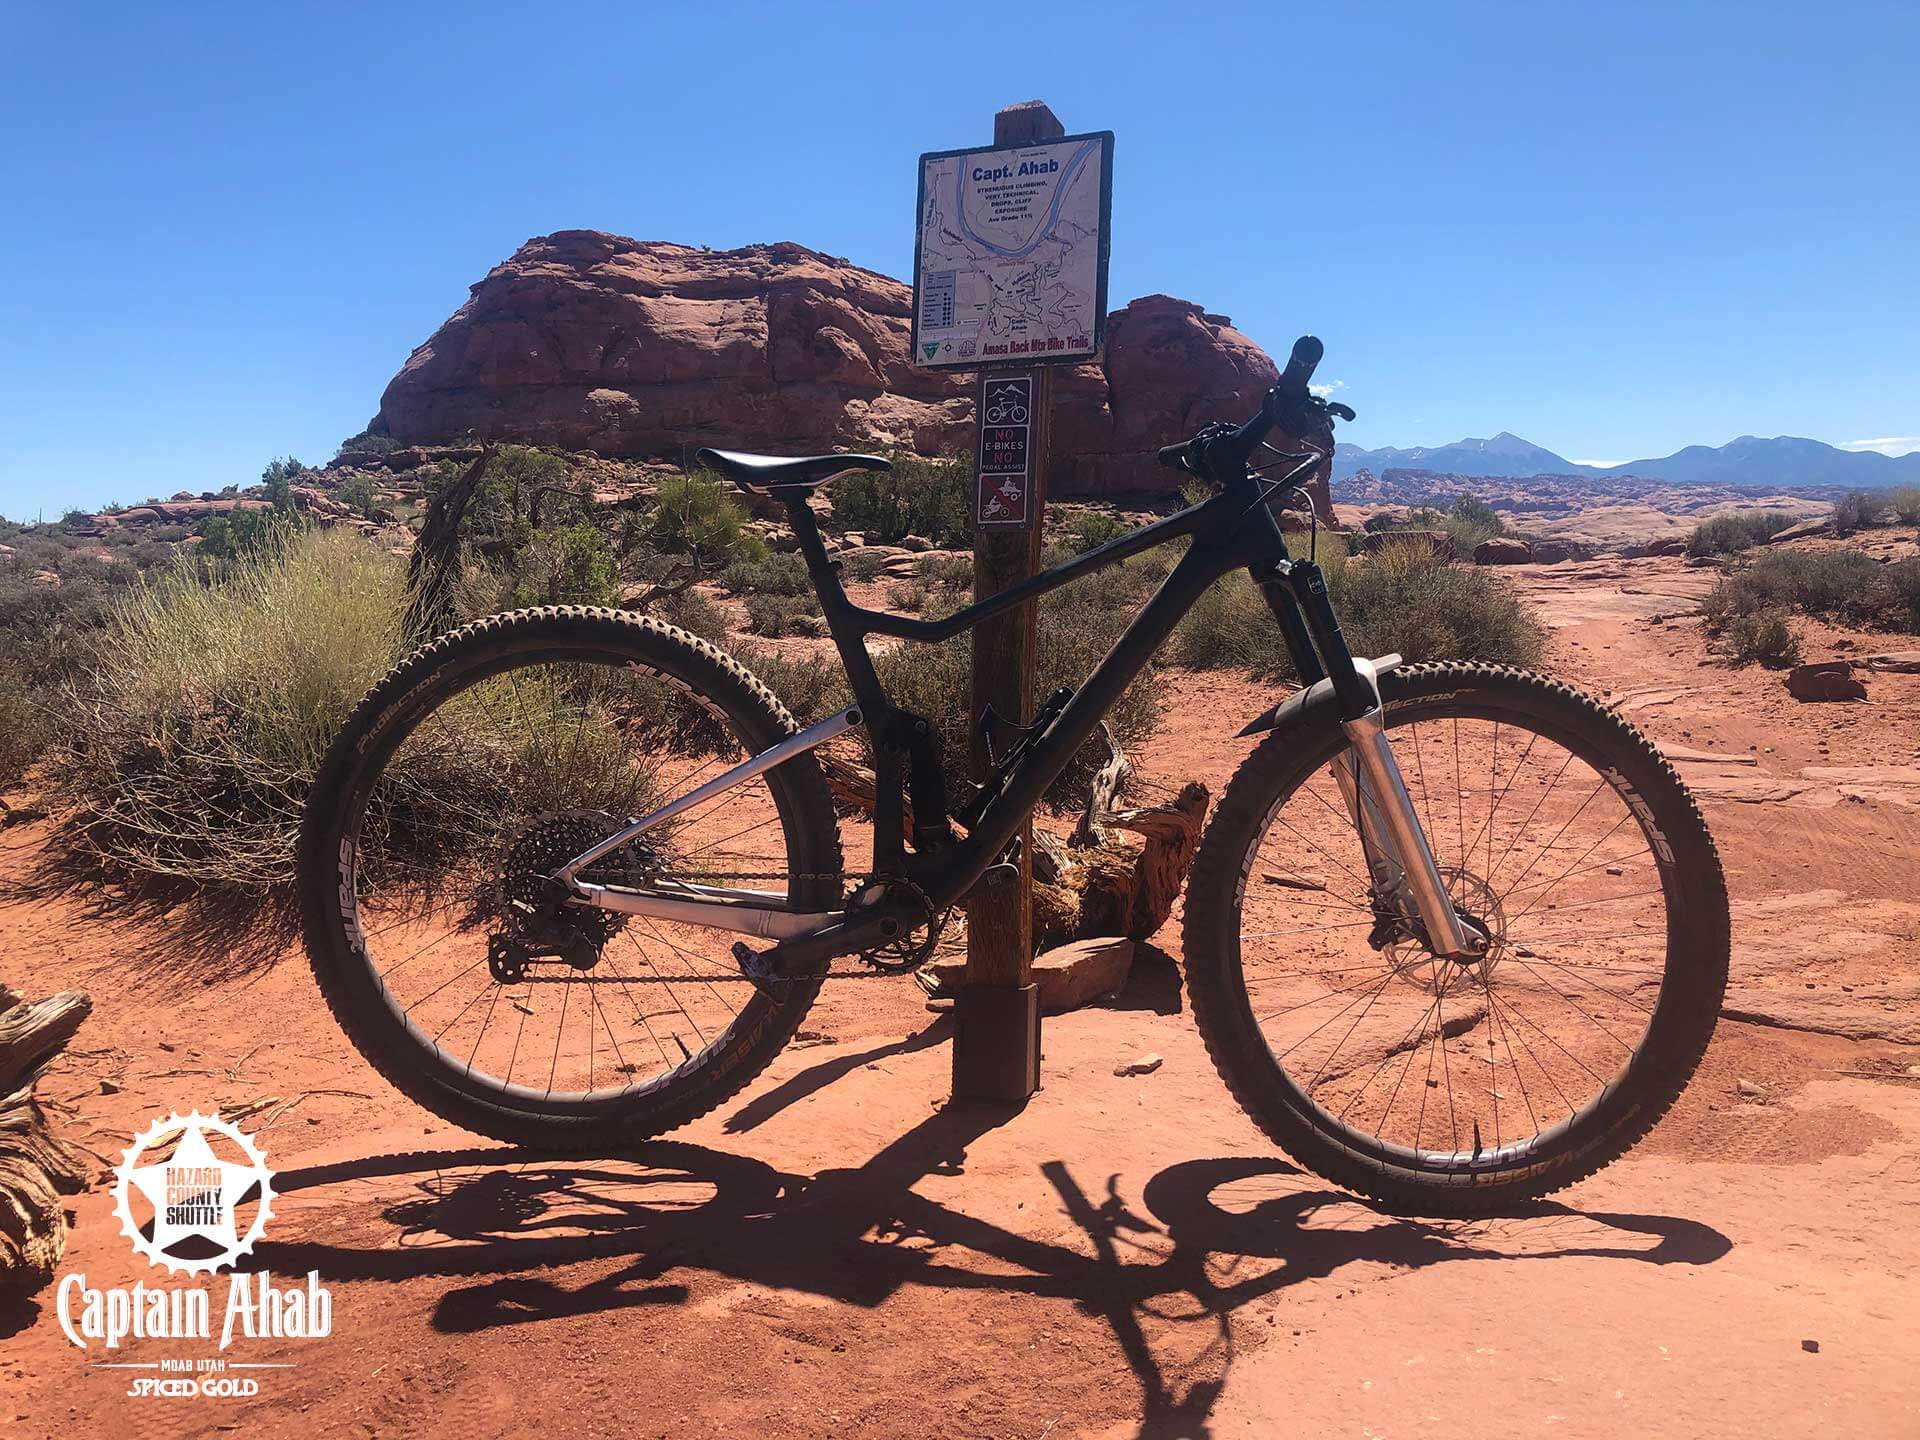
1118 885
36 1168
1117 874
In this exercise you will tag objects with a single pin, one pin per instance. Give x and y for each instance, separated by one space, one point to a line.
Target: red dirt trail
836 1253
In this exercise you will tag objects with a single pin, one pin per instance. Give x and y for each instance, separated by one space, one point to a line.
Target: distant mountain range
1783 461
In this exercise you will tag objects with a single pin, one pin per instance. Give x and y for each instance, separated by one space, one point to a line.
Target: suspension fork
1398 855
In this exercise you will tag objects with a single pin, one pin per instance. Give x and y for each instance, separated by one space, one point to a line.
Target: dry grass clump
185 748
1403 599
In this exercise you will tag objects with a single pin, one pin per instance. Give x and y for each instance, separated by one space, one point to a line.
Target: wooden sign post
996 1043
1010 279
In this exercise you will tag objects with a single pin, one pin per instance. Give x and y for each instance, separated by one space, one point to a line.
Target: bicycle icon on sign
1008 406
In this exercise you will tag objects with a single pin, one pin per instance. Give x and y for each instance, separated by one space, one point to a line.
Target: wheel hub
1412 957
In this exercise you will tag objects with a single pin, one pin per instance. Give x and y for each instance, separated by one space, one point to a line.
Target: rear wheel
483 762
1446 1088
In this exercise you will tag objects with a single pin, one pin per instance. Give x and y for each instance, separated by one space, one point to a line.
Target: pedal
758 968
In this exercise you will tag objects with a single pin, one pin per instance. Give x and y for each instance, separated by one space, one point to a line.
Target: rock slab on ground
1068 976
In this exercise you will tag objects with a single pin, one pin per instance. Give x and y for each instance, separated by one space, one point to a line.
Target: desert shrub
946 570
858 564
695 514
1401 599
43 628
367 441
1839 585
784 574
914 596
1766 636
24 718
695 612
933 498
567 565
1469 520
244 532
1855 509
1730 534
1904 501
1090 529
357 495
810 686
777 615
185 748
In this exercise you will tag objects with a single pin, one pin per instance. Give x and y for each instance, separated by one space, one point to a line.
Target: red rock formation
594 342
1170 368
587 341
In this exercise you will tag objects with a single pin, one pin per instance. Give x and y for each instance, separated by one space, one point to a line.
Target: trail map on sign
1011 264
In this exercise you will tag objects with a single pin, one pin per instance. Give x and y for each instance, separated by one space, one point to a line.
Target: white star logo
194 1194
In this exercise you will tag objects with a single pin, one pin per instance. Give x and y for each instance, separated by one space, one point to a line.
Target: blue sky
1613 229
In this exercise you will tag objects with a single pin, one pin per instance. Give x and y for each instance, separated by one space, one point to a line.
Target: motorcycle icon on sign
1005 503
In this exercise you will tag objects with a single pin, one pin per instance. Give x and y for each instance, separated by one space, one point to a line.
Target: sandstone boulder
1818 525
588 341
1552 552
1825 680
1170 368
1502 550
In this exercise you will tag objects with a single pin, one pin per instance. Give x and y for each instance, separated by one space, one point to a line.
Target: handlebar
1221 452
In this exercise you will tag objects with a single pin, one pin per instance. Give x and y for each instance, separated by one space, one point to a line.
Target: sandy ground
836 1252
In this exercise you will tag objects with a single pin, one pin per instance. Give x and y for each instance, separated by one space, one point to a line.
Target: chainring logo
193 1194
206 1206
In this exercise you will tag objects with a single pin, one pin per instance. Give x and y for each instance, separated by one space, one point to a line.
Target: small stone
108 1087
1615 870
1140 1065
1748 1089
1812 1347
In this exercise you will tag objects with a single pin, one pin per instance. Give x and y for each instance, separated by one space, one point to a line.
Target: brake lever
1339 411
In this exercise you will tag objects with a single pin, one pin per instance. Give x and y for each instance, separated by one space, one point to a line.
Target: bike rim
1454 1068
472 793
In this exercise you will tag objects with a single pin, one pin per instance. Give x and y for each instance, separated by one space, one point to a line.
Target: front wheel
1460 1089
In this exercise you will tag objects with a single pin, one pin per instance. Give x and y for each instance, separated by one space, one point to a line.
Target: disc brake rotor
1413 959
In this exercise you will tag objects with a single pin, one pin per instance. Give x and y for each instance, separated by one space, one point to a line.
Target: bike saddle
779 472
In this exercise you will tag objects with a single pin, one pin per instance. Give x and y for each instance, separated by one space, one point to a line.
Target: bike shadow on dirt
1208 1237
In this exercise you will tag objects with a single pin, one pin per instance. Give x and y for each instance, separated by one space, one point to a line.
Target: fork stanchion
996 1047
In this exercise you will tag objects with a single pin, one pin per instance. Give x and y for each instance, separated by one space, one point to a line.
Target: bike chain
910 957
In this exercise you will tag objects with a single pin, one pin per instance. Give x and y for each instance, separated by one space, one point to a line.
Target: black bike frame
1233 529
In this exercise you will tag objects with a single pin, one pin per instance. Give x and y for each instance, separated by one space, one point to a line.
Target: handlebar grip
1307 351
1174 457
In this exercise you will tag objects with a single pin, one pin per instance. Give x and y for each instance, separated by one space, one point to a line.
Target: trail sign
1010 259
1004 495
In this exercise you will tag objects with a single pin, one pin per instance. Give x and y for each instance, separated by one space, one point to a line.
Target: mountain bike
1455 936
